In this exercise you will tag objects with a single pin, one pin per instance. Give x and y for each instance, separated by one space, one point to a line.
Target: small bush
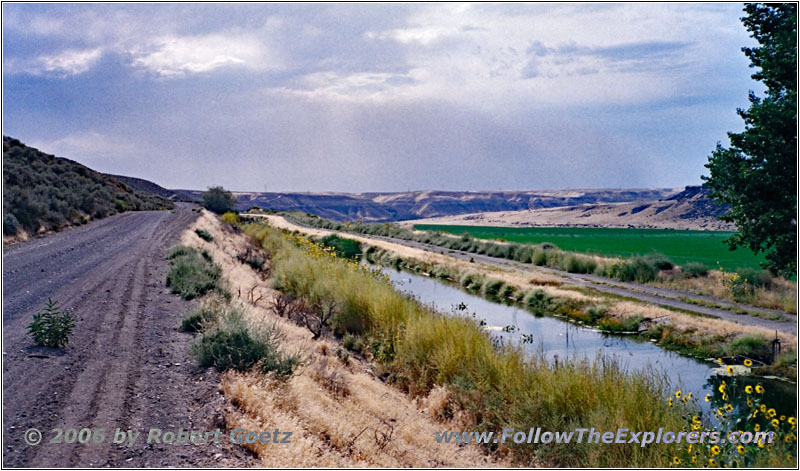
10 224
219 200
755 277
472 281
751 346
204 234
634 269
202 316
659 261
507 292
538 301
694 270
628 324
492 288
232 345
345 248
51 327
231 218
191 275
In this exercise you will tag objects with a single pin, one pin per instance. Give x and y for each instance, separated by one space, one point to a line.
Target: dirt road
126 366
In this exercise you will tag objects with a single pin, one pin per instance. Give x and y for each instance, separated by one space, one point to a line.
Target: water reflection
559 339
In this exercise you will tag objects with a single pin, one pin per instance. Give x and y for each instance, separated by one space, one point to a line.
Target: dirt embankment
340 413
126 365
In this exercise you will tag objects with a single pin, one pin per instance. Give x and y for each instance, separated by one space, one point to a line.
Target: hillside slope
44 193
690 209
385 207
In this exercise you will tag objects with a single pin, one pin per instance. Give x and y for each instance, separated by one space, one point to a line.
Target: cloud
542 94
365 86
66 63
178 56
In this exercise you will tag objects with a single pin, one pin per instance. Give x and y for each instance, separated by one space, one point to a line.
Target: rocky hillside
43 193
384 207
689 209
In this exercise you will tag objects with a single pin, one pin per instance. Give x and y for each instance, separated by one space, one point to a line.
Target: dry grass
703 326
340 414
781 295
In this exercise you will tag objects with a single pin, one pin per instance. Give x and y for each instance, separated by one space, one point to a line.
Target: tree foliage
757 174
219 200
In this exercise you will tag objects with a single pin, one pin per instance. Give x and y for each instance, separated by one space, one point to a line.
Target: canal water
559 339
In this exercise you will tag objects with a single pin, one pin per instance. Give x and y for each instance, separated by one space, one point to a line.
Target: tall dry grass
499 386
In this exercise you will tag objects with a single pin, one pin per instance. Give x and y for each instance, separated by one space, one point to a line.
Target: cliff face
385 207
689 209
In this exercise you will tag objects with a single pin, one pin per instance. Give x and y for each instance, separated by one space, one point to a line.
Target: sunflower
708 397
694 459
696 419
730 370
775 423
792 420
719 360
678 394
783 417
669 402
771 413
695 426
685 399
749 402
759 389
728 407
721 387
676 460
761 443
715 450
789 438
748 362
748 389
712 462
740 449
757 428
763 408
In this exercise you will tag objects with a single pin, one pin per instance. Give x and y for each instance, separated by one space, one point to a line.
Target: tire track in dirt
126 365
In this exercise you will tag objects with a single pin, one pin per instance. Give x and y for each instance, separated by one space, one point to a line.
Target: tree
219 200
757 175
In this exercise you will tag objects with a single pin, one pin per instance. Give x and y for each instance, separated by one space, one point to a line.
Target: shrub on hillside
755 277
191 274
694 270
232 345
636 269
43 192
345 248
659 261
219 200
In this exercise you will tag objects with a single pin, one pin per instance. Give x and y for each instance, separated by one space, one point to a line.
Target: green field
680 246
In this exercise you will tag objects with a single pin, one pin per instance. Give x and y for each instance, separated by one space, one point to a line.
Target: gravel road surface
126 366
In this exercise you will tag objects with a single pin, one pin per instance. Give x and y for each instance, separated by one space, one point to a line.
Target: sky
379 97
